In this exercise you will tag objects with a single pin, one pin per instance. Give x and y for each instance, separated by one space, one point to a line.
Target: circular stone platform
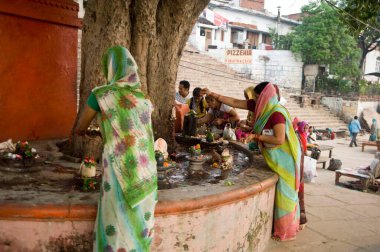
41 211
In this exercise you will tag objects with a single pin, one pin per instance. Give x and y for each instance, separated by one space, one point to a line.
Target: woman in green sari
281 149
128 193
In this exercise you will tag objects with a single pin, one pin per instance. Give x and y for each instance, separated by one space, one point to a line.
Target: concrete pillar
260 38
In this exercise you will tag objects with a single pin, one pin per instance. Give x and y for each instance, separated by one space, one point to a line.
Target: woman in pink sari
302 133
295 123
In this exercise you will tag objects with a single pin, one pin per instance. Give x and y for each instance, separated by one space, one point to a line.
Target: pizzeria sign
238 56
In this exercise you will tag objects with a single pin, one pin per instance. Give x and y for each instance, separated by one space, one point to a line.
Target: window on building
233 36
267 39
377 69
202 31
221 35
253 39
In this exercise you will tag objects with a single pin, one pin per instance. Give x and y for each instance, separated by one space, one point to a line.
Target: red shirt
275 118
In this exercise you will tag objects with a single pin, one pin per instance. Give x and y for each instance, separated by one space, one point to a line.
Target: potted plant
209 137
89 184
159 158
195 150
25 153
88 168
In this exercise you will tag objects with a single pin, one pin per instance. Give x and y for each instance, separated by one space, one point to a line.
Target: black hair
196 93
355 117
185 84
246 96
260 87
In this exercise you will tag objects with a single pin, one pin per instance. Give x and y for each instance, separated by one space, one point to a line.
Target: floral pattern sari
128 194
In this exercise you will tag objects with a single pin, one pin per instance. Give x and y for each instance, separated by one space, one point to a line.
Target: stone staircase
318 116
202 70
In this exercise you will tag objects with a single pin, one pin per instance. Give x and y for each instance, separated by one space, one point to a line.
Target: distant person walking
354 128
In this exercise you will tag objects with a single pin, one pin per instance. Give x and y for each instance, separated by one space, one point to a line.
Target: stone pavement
339 219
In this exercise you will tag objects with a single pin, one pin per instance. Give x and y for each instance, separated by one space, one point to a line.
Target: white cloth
229 133
161 146
223 108
309 169
7 146
373 165
283 101
180 99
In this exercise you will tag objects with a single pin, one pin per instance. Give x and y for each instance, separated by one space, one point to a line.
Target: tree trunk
155 32
364 55
366 48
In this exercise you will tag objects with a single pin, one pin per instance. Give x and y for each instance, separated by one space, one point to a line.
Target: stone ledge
62 212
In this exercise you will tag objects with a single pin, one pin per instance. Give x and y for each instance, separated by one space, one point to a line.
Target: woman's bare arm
84 120
233 116
236 103
278 137
207 118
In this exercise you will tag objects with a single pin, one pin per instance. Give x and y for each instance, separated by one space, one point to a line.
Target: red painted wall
38 68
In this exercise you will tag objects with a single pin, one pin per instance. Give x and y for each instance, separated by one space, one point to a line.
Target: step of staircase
319 117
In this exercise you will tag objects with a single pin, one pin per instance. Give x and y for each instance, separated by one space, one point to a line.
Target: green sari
284 160
128 194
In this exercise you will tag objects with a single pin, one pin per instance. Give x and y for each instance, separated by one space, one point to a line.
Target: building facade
245 24
371 65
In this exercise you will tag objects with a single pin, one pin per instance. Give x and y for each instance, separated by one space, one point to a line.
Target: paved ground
340 219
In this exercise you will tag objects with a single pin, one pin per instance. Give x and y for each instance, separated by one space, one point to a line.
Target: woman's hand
205 91
218 121
84 120
252 137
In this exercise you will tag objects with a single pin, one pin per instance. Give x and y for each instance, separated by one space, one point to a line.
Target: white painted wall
367 105
347 109
199 41
283 68
81 9
196 39
263 23
335 104
370 65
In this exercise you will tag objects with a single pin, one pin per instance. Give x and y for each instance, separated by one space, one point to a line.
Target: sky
287 6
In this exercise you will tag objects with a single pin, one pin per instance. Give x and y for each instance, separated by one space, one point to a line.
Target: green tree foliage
324 39
363 20
281 42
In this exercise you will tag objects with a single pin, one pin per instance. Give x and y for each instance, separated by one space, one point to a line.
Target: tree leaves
324 39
